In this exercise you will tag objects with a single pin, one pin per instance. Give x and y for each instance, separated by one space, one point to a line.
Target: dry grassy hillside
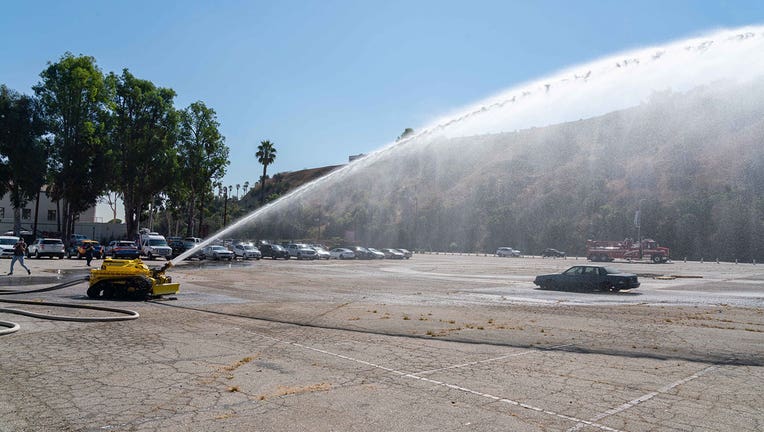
693 162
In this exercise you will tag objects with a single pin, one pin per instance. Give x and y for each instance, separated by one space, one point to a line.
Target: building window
51 215
26 213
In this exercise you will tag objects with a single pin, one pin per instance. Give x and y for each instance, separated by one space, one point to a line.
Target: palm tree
266 154
238 186
245 187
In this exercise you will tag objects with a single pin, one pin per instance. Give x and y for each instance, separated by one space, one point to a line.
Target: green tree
203 159
74 96
266 154
23 159
143 130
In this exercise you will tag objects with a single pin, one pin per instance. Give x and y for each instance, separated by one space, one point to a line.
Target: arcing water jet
464 179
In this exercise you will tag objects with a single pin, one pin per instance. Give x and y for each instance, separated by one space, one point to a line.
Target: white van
155 245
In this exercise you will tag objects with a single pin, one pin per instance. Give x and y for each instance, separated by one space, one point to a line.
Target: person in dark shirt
19 250
89 250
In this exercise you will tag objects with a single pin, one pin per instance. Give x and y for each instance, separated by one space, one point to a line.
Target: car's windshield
126 244
157 242
217 248
8 241
52 242
247 247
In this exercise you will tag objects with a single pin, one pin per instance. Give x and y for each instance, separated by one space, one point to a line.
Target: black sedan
554 253
361 252
273 251
588 278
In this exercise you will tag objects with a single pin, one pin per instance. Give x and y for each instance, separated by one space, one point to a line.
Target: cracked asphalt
438 342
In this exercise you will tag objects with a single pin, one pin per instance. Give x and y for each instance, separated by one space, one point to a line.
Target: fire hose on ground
11 327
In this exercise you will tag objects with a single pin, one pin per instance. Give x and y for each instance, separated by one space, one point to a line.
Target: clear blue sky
326 79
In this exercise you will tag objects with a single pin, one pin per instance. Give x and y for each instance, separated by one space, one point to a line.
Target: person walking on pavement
19 250
89 253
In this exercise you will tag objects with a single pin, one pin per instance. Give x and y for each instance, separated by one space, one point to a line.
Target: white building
46 214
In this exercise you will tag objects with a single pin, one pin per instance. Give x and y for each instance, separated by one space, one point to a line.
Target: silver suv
49 247
301 251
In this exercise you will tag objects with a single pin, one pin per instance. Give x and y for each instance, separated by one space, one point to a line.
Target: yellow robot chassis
130 279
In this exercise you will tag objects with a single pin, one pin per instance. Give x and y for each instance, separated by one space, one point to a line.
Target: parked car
217 252
554 253
273 251
505 251
301 251
190 243
22 233
342 253
378 254
28 236
177 246
50 247
406 253
79 249
361 252
153 245
6 245
124 249
588 278
392 254
246 251
321 252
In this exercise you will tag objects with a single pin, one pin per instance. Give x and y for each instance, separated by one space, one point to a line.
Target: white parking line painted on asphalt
444 384
515 403
644 398
486 360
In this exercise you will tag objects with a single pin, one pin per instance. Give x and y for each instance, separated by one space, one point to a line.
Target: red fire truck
606 250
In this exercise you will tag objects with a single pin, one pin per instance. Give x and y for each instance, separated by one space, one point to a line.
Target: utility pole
638 224
318 222
225 206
